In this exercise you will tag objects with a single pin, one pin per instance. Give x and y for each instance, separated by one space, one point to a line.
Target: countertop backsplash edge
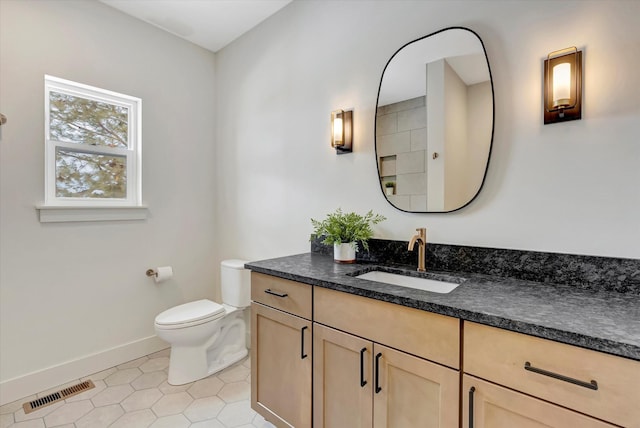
586 272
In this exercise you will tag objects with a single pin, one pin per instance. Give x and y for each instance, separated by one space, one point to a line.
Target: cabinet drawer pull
472 390
302 354
378 389
362 381
275 293
590 385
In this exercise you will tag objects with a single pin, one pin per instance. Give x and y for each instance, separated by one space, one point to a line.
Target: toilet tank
235 282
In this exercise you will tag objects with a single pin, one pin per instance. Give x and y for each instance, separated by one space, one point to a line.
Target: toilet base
227 346
229 360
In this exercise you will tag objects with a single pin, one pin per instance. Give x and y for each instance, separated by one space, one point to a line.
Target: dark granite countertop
606 321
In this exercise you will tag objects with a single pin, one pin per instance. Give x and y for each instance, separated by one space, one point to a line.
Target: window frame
133 152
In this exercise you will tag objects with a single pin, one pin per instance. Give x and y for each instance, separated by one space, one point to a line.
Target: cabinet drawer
424 334
288 296
530 364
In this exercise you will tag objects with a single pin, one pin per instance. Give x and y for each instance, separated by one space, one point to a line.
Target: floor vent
65 393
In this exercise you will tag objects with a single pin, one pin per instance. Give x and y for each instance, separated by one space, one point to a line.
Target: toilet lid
190 312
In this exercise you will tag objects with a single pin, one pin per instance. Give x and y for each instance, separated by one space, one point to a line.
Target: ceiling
212 24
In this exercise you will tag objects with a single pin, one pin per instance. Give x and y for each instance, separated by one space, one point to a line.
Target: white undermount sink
425 284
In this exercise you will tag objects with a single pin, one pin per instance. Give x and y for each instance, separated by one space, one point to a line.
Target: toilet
206 336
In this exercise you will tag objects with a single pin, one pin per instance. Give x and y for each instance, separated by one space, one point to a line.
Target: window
93 146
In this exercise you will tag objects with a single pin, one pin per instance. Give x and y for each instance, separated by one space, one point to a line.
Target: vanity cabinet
599 385
281 356
327 358
360 381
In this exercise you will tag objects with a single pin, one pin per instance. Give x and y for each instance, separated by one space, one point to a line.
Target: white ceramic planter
389 190
344 253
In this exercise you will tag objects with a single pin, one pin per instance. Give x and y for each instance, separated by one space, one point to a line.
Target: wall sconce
563 86
342 131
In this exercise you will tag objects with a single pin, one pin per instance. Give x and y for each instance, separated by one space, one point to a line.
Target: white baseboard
41 380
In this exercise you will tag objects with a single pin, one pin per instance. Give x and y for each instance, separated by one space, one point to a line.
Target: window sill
58 214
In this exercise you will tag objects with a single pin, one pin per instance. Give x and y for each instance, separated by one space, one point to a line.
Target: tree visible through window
92 145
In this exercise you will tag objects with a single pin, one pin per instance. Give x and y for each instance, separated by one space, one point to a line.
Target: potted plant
344 231
389 187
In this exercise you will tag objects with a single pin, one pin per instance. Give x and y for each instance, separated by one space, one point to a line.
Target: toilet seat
190 314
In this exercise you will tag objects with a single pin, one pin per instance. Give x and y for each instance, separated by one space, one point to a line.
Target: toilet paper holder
160 274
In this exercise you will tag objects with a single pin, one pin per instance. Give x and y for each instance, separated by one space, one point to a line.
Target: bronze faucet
421 239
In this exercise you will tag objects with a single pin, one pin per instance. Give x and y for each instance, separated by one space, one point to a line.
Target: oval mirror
434 122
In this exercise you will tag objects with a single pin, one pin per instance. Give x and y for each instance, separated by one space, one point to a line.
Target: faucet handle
422 231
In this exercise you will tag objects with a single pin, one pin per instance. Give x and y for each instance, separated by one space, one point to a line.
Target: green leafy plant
343 228
390 184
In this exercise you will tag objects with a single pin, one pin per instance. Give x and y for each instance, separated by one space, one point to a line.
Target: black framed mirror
434 122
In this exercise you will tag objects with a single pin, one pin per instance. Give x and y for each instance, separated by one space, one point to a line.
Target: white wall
75 290
480 120
456 153
436 135
570 187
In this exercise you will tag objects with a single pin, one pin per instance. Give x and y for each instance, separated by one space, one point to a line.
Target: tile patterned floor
136 395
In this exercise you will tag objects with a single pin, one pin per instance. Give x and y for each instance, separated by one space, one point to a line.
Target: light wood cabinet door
281 367
491 406
342 379
412 392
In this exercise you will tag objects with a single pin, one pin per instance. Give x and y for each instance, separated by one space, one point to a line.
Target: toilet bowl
206 336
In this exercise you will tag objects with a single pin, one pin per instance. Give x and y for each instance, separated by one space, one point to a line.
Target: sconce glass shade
563 86
341 131
337 139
